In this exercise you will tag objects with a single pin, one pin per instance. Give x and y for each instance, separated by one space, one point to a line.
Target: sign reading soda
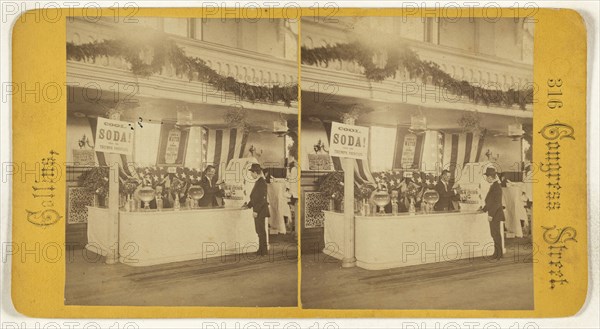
113 136
348 141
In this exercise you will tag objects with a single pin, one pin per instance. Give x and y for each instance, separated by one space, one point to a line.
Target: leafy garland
164 51
406 58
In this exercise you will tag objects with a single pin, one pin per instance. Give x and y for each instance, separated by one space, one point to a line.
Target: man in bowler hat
493 207
260 207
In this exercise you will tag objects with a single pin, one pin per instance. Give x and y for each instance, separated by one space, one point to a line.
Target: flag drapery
460 149
223 145
433 151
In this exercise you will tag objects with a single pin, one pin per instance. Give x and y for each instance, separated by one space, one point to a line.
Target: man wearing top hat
494 208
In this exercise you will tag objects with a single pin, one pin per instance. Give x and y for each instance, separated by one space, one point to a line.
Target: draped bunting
435 151
460 149
362 170
225 145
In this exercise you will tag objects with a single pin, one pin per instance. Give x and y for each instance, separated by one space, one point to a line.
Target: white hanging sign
113 136
347 141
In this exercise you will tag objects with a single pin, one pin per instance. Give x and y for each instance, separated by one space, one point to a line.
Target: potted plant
332 185
128 187
95 181
362 195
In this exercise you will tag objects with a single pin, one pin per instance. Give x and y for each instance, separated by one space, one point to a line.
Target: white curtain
145 148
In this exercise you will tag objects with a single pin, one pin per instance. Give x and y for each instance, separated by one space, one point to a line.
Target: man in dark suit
494 208
160 193
446 193
212 190
260 207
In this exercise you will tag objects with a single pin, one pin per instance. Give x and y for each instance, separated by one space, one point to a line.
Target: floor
247 281
244 280
475 284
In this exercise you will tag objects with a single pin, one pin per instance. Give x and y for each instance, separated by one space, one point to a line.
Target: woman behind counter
213 196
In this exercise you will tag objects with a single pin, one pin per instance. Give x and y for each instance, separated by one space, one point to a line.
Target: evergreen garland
164 51
406 58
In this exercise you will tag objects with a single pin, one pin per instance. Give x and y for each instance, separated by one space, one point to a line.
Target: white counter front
149 238
383 242
99 237
158 237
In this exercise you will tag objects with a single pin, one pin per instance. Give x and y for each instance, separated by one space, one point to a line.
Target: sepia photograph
416 163
182 175
294 165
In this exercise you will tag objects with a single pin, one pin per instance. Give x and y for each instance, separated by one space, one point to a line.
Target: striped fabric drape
224 145
362 170
460 149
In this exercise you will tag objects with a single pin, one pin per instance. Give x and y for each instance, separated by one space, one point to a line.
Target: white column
113 213
349 260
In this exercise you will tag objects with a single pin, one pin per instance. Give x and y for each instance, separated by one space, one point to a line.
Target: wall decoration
78 199
84 158
320 147
85 155
314 204
408 151
320 162
172 146
409 148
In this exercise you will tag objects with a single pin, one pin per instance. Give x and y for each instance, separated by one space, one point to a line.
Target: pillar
113 213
